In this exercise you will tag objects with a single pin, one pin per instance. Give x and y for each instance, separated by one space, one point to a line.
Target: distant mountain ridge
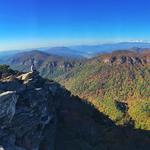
87 51
64 51
107 48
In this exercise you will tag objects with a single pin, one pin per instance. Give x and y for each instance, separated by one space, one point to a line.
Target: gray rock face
11 83
25 114
7 106
126 60
122 59
113 59
130 60
1 148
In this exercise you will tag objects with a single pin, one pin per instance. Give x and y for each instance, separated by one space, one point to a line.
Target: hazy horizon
43 23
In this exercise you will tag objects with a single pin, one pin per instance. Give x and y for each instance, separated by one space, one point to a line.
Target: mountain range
87 51
53 62
101 102
50 66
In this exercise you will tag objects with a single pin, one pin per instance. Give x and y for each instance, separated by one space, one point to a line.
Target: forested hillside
117 84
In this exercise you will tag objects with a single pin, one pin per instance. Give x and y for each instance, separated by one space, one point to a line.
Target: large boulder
8 102
25 76
11 83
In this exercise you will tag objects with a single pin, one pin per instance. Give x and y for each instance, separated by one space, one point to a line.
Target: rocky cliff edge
38 114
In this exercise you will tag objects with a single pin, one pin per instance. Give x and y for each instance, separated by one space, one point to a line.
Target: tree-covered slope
117 84
49 66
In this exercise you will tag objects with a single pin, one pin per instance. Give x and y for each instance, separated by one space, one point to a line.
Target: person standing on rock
33 68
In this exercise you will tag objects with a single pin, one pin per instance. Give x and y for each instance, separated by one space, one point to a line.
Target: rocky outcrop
8 102
129 60
10 83
26 113
38 114
127 57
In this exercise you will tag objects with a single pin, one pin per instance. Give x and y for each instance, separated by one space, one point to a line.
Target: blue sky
38 23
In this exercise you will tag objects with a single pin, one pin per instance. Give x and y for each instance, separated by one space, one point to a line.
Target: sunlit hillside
117 84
